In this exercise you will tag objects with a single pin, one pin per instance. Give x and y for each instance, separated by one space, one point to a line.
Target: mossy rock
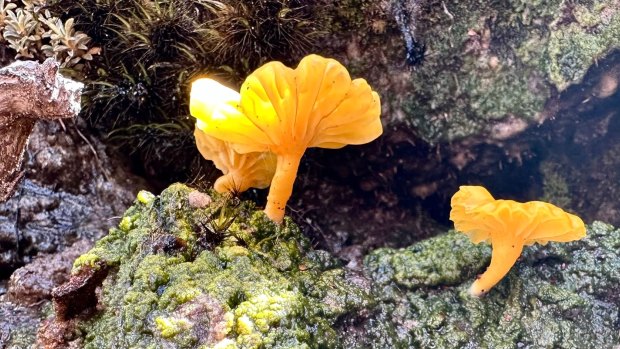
556 296
220 276
214 272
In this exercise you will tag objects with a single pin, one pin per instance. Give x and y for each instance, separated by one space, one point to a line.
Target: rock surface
33 283
482 69
506 92
224 276
70 195
70 192
18 325
556 296
27 299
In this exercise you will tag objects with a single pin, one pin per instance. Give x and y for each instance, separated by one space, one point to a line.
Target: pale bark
29 91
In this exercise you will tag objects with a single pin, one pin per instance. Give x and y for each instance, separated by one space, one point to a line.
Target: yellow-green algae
253 287
556 296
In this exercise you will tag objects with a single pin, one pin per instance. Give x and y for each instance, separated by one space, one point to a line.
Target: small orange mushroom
241 171
286 111
508 226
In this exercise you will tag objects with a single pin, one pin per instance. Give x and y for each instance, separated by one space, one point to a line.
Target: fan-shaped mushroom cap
509 225
241 171
286 110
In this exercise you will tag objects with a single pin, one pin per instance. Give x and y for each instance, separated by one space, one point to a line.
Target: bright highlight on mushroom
508 226
285 111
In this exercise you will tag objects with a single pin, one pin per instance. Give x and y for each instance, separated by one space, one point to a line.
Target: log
29 91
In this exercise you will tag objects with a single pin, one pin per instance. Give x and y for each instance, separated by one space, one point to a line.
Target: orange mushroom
508 226
241 171
286 111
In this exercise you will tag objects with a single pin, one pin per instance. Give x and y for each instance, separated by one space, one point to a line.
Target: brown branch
29 91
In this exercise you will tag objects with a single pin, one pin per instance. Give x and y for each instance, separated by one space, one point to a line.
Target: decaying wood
29 91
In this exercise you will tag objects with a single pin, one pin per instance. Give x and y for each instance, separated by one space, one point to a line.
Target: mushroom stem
282 186
503 257
229 182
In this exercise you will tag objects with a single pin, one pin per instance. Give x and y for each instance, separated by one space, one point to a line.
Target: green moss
261 312
170 327
253 290
556 296
125 224
87 259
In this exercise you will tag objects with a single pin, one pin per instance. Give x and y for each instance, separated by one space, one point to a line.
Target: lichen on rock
488 68
586 32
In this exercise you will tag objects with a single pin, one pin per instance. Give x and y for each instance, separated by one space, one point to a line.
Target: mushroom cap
287 111
529 222
218 105
241 171
476 213
465 200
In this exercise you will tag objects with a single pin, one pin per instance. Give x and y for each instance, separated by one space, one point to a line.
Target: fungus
508 226
241 171
286 111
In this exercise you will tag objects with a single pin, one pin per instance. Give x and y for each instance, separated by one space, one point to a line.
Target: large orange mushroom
286 111
508 226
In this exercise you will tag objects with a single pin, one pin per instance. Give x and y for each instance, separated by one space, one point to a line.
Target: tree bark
29 91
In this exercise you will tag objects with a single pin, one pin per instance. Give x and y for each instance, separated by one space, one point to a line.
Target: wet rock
472 68
69 196
70 191
34 282
264 286
18 325
502 88
27 301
